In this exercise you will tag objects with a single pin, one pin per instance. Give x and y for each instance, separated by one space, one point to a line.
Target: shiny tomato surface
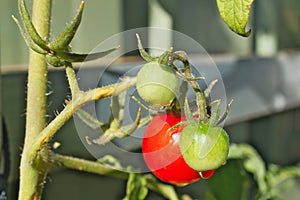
162 153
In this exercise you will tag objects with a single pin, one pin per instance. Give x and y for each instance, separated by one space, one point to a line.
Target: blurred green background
261 73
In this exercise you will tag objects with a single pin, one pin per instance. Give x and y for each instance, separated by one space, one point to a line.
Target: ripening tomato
203 146
162 154
157 83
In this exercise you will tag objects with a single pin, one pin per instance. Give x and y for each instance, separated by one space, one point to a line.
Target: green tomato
157 83
204 147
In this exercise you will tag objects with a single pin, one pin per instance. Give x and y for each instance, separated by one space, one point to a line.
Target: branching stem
72 106
32 179
72 78
88 166
98 168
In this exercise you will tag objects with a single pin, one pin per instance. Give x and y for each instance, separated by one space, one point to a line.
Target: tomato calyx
157 82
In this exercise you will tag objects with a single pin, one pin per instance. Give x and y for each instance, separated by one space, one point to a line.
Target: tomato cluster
162 153
180 149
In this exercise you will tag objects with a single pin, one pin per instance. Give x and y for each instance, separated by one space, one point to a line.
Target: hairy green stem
201 101
32 179
72 78
167 191
98 168
72 106
88 166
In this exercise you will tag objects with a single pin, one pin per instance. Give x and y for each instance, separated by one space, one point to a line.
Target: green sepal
143 53
188 113
151 109
214 113
28 39
223 117
54 60
74 57
183 123
65 38
129 129
30 28
58 59
183 89
209 88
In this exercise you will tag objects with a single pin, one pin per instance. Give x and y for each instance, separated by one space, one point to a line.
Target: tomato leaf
253 163
236 13
136 187
272 182
281 180
219 185
277 175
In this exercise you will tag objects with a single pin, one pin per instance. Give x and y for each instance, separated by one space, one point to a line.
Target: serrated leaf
136 187
236 13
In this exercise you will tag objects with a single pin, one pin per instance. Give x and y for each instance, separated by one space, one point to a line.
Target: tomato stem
201 101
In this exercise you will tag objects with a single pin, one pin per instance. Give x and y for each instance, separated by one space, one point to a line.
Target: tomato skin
204 147
157 83
162 153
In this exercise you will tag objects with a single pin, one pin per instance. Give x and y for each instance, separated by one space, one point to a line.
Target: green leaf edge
241 28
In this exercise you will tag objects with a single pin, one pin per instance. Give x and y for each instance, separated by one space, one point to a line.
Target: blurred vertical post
158 17
265 28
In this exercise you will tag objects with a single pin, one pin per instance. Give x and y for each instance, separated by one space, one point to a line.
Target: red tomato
162 153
